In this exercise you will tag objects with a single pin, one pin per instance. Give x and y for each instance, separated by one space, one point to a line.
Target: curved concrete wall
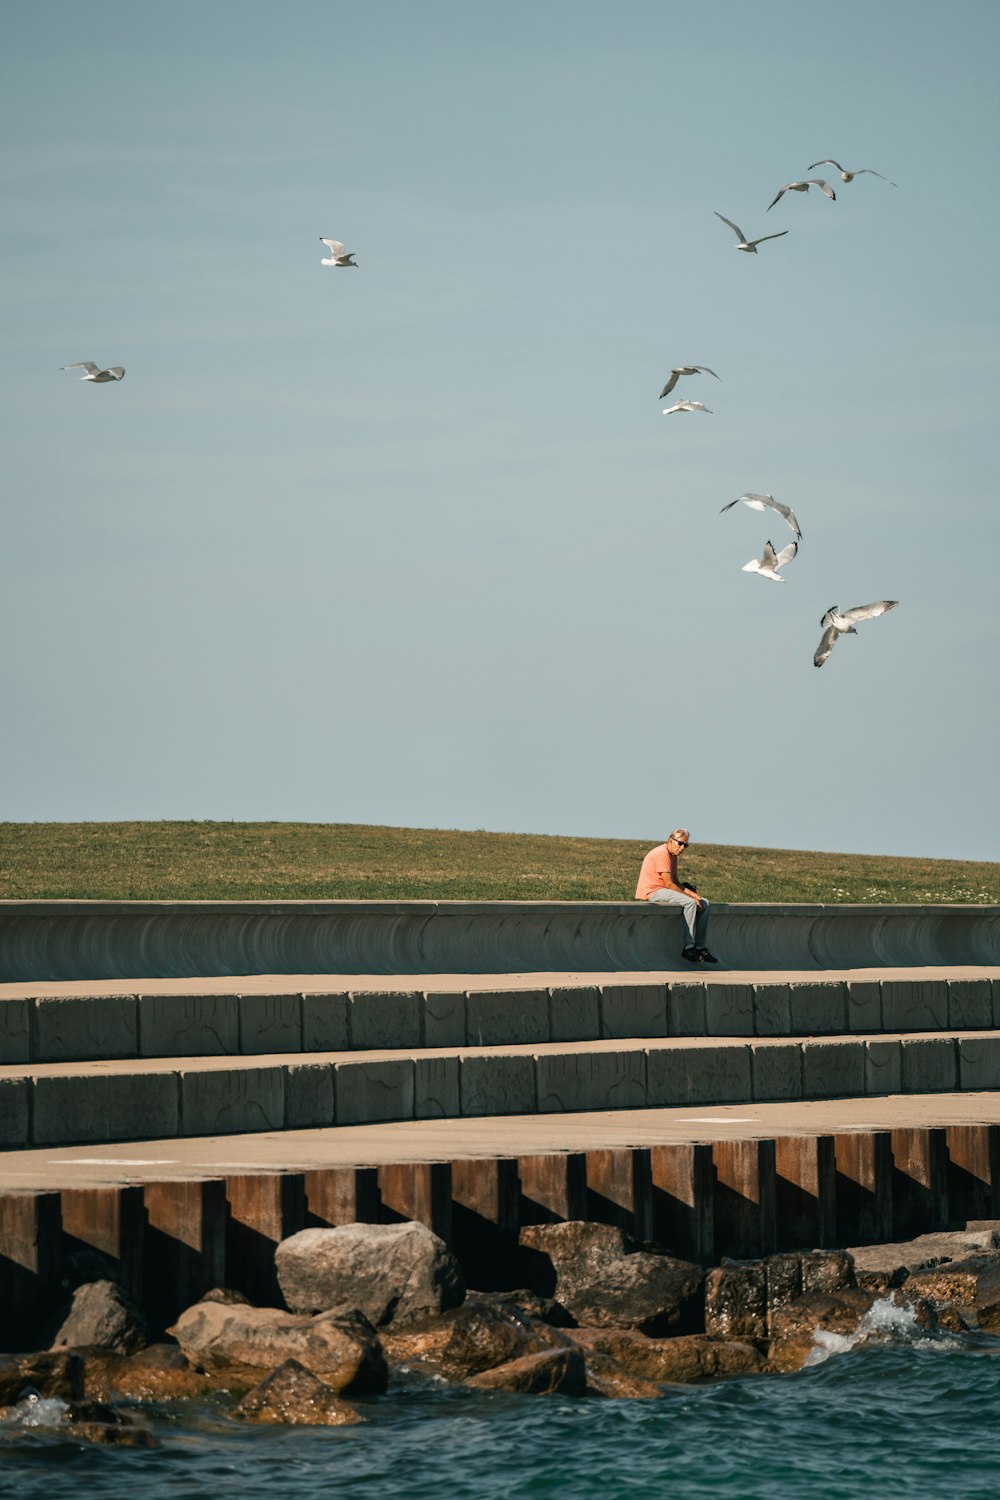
53 940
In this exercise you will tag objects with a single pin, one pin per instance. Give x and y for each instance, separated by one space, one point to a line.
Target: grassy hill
271 861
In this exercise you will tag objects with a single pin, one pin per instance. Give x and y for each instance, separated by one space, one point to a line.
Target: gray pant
697 920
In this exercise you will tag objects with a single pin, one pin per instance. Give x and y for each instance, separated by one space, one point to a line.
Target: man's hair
678 833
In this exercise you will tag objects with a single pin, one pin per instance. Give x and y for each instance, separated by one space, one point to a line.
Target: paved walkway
54 1168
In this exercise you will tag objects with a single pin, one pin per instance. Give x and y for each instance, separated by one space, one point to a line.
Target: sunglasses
683 843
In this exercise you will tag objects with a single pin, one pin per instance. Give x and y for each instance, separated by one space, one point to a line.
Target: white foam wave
885 1321
34 1410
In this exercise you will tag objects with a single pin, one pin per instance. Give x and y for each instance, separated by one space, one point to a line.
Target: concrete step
101 1101
84 1027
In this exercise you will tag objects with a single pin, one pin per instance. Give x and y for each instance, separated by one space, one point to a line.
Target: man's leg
689 907
701 925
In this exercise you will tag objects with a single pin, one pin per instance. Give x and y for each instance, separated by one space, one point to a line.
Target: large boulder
826 1319
555 1372
487 1331
603 1279
293 1395
743 1297
344 1350
101 1316
606 1377
160 1372
58 1376
882 1268
393 1273
683 1360
971 1287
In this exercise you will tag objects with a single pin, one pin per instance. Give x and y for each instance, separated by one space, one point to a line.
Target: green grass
273 861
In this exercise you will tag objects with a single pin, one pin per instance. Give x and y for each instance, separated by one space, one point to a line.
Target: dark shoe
693 955
705 957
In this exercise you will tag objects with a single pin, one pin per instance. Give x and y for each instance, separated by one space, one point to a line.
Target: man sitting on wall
658 883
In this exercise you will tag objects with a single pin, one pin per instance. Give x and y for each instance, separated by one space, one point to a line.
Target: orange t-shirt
659 863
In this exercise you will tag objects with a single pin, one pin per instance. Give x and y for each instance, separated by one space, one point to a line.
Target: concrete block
496 1083
83 1107
818 1009
979 1063
231 1101
832 1070
574 1015
270 1023
805 1192
78 1030
619 1190
633 1010
864 1005
341 1195
15 1031
929 1065
685 1009
883 1068
698 1075
728 1009
864 1171
744 1198
444 1019
970 1004
417 1192
389 1019
324 1023
188 1025
590 1080
498 1018
683 1199
308 1096
914 1004
366 1092
436 1088
772 1010
776 1070
553 1188
14 1116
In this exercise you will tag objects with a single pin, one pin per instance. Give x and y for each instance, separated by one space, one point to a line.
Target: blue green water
885 1420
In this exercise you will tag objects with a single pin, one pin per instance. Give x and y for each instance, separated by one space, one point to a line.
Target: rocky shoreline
590 1314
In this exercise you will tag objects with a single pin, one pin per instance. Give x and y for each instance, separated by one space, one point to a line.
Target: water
916 1417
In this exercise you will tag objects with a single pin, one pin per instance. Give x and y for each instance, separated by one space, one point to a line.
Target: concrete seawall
56 940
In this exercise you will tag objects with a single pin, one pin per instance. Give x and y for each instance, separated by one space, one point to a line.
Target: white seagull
766 502
744 243
337 256
828 161
687 406
768 565
679 370
803 187
836 624
95 373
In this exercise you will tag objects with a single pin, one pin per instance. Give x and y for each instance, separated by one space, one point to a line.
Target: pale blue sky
413 544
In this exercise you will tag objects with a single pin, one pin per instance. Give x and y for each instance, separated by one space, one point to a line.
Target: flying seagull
850 176
767 566
803 187
337 256
766 502
836 624
679 370
687 406
95 373
744 243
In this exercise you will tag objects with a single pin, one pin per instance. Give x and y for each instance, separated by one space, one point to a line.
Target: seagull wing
669 385
787 553
824 187
869 611
872 173
783 510
706 371
827 161
826 644
118 371
780 193
82 364
757 502
734 227
730 505
336 248
768 237
769 558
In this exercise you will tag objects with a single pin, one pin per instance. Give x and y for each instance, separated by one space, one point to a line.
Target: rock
59 1375
228 1296
422 1346
880 1268
540 1309
344 1350
96 1422
680 1360
605 1377
487 1331
743 1296
972 1286
794 1327
826 1270
602 1279
393 1273
101 1316
556 1372
161 1372
294 1395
